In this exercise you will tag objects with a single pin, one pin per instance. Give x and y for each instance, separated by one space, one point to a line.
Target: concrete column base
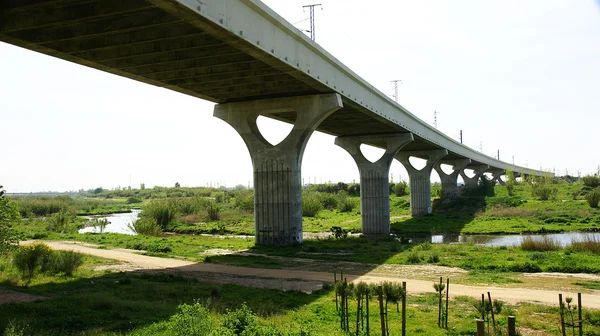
420 180
473 182
496 174
277 169
374 178
450 181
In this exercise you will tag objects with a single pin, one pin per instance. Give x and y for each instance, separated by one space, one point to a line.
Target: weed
540 245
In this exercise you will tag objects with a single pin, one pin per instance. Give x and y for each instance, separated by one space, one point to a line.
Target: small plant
544 191
213 211
400 188
60 221
163 212
543 245
338 232
413 258
146 226
593 198
239 320
311 205
191 319
30 258
65 262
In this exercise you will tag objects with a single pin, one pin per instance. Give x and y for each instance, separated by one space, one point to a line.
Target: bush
244 200
329 201
544 191
60 221
508 202
65 262
593 197
543 245
239 320
30 258
194 319
592 181
400 188
345 203
132 200
527 267
311 205
163 212
338 232
159 247
213 211
413 258
146 226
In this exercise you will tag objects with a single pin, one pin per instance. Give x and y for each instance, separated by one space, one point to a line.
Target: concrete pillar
420 180
277 169
450 181
496 174
473 182
374 178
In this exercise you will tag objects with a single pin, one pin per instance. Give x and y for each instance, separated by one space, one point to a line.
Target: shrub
400 188
434 258
338 232
132 200
194 319
527 267
65 262
146 226
163 212
543 191
593 197
508 202
347 204
29 258
592 181
413 258
244 200
311 205
159 247
8 215
329 201
60 221
239 320
213 211
543 245
589 244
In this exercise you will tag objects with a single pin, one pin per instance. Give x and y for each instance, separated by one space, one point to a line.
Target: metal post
440 304
480 327
334 289
492 311
383 333
512 326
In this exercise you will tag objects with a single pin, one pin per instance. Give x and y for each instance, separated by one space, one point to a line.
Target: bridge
248 60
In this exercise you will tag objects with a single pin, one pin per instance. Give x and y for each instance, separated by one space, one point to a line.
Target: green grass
145 304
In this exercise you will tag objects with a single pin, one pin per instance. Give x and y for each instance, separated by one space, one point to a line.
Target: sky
521 77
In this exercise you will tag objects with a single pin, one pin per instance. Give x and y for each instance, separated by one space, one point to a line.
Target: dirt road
304 280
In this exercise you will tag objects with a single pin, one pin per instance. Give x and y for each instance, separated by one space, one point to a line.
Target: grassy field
104 303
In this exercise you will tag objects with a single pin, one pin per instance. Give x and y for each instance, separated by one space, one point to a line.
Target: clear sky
522 77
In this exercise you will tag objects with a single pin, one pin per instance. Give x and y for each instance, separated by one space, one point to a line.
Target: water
564 239
118 223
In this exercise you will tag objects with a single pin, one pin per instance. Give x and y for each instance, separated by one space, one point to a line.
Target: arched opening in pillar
447 169
373 154
274 131
489 176
470 173
398 172
436 185
460 181
417 163
503 178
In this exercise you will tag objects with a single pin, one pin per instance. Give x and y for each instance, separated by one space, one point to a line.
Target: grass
150 304
541 245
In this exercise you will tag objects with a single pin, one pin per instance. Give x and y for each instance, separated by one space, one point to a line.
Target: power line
312 19
395 82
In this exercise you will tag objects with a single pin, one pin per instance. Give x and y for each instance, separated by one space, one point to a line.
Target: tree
142 186
177 185
8 214
510 182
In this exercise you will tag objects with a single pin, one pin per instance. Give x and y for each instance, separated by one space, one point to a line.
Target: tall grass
311 204
589 244
146 226
543 245
162 212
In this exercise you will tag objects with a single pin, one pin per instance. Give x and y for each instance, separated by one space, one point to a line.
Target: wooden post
483 307
512 326
562 315
480 327
492 311
367 295
381 311
440 305
346 303
580 314
336 294
447 294
404 309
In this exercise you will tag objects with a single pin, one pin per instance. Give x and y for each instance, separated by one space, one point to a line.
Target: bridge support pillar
374 178
473 182
496 174
277 169
450 181
420 180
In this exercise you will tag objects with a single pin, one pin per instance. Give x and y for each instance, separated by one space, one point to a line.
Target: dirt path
306 280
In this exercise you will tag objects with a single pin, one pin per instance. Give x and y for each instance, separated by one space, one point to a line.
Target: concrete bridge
251 62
